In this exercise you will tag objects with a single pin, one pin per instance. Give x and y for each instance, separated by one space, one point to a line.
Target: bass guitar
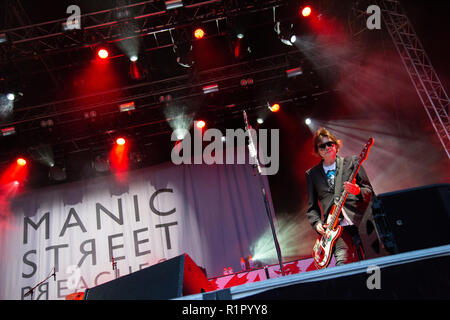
324 244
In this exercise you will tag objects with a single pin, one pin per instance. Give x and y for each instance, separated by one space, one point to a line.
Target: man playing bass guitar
322 180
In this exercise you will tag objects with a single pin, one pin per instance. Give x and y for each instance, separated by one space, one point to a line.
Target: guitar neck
344 194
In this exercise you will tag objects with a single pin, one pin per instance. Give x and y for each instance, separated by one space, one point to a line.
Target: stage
419 274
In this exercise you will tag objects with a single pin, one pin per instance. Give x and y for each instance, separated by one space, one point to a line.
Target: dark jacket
321 195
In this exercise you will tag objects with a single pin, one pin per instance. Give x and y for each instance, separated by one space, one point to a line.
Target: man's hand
320 228
352 188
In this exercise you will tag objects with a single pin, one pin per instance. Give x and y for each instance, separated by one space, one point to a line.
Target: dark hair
322 133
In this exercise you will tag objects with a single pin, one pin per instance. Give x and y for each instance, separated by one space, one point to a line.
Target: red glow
306 11
15 174
200 124
119 160
103 53
275 107
199 33
21 162
120 141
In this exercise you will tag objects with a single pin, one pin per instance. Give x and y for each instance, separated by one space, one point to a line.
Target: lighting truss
150 19
423 76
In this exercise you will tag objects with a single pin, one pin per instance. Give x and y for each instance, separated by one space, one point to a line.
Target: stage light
306 11
285 32
8 131
293 38
125 107
260 120
308 121
120 141
103 53
173 4
294 72
200 124
11 96
199 33
275 107
134 58
21 162
180 133
16 183
240 36
211 88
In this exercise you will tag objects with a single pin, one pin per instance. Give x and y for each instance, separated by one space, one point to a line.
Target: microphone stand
252 149
31 291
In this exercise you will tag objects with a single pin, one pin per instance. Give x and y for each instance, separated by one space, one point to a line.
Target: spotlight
275 107
293 38
200 124
199 33
180 133
134 58
120 141
306 11
308 121
103 53
11 96
285 33
260 120
21 162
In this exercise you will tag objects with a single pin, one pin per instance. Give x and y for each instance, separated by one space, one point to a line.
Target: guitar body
324 246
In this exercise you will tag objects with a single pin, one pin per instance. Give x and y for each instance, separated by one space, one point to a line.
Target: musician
320 181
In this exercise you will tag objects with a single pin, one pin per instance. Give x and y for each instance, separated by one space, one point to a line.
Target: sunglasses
326 144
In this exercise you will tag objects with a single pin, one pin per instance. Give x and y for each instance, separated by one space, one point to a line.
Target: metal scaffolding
423 76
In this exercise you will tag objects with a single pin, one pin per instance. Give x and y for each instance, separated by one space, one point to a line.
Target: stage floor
416 274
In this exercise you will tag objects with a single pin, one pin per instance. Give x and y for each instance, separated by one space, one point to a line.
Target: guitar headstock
365 151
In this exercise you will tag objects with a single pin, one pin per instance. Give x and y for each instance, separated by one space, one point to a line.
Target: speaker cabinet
413 219
172 278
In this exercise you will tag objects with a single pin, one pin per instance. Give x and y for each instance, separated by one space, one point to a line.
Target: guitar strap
338 184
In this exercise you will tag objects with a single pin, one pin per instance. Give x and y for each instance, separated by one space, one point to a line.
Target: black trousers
348 247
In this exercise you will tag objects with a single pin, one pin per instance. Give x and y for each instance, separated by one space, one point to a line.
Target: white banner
211 212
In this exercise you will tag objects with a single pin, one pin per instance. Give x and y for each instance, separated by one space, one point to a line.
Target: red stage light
306 11
199 33
120 141
103 53
275 107
21 162
200 124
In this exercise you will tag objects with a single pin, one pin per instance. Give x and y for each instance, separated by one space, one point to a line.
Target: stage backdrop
214 213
